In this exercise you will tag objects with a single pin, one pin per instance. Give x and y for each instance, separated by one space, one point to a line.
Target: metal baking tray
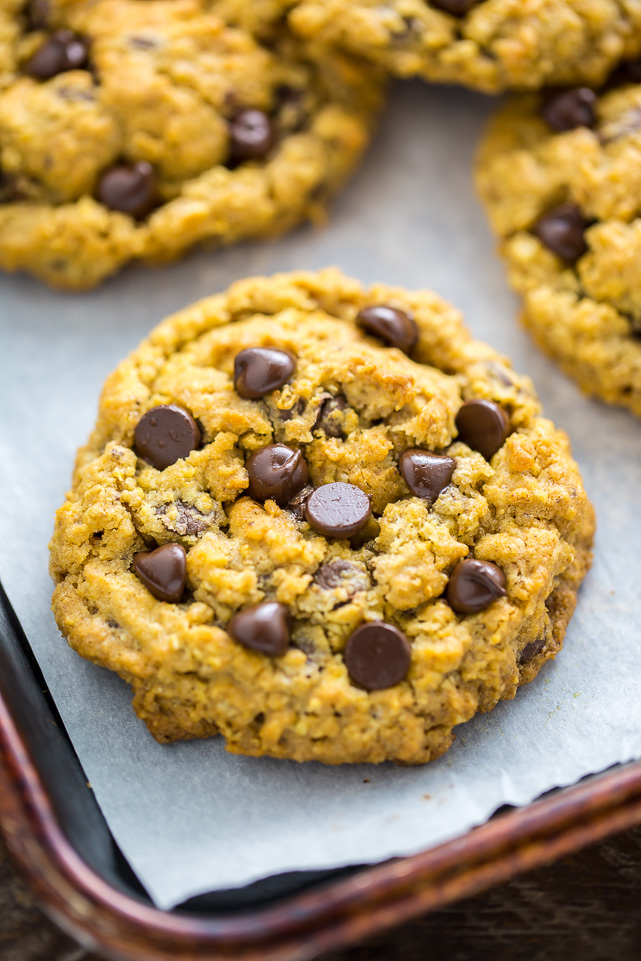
59 839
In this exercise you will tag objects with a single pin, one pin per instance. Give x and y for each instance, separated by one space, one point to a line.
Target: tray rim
303 925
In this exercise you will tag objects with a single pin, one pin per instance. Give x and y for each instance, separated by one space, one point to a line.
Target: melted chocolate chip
263 628
377 656
276 472
37 14
531 650
457 8
64 50
570 109
330 575
298 503
338 510
426 474
474 585
251 135
188 520
129 188
165 434
562 232
163 571
259 370
330 416
483 426
396 327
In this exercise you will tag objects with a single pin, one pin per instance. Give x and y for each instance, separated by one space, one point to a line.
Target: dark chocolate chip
630 71
165 434
396 327
297 504
531 650
562 232
473 585
287 413
276 472
251 135
163 571
377 656
264 628
64 50
338 510
457 8
330 416
568 109
37 14
426 474
129 188
483 426
330 575
259 370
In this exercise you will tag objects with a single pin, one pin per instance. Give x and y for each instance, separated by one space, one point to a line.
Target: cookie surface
490 45
329 569
137 128
559 176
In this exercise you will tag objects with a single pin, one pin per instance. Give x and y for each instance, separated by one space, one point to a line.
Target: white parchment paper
188 817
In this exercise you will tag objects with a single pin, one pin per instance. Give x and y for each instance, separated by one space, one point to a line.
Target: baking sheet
188 817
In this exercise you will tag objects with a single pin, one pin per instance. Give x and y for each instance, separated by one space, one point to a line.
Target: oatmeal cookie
560 176
137 128
490 45
322 521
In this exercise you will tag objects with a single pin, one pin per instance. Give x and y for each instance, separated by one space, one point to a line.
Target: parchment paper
188 817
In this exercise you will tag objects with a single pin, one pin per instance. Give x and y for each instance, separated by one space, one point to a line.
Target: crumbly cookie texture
490 45
138 128
352 406
566 206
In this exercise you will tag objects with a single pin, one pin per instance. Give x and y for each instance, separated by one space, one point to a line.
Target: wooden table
587 907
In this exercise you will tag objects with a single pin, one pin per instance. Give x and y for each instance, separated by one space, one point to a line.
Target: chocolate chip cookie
559 174
137 128
490 45
321 520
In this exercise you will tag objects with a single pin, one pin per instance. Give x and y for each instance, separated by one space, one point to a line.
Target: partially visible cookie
560 176
321 520
137 128
490 45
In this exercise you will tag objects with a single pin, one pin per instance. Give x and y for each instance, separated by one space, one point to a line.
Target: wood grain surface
585 906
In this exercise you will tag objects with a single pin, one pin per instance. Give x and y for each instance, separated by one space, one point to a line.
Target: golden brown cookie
560 175
321 520
133 129
490 45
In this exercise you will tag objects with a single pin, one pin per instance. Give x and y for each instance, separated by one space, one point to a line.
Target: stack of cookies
318 519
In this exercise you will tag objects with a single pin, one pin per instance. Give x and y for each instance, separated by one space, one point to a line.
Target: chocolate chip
531 650
264 628
37 14
426 474
259 370
377 656
163 571
64 50
330 575
338 510
570 109
129 188
630 71
562 232
165 434
458 8
396 327
276 472
330 416
188 520
287 413
298 503
251 135
483 426
473 585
